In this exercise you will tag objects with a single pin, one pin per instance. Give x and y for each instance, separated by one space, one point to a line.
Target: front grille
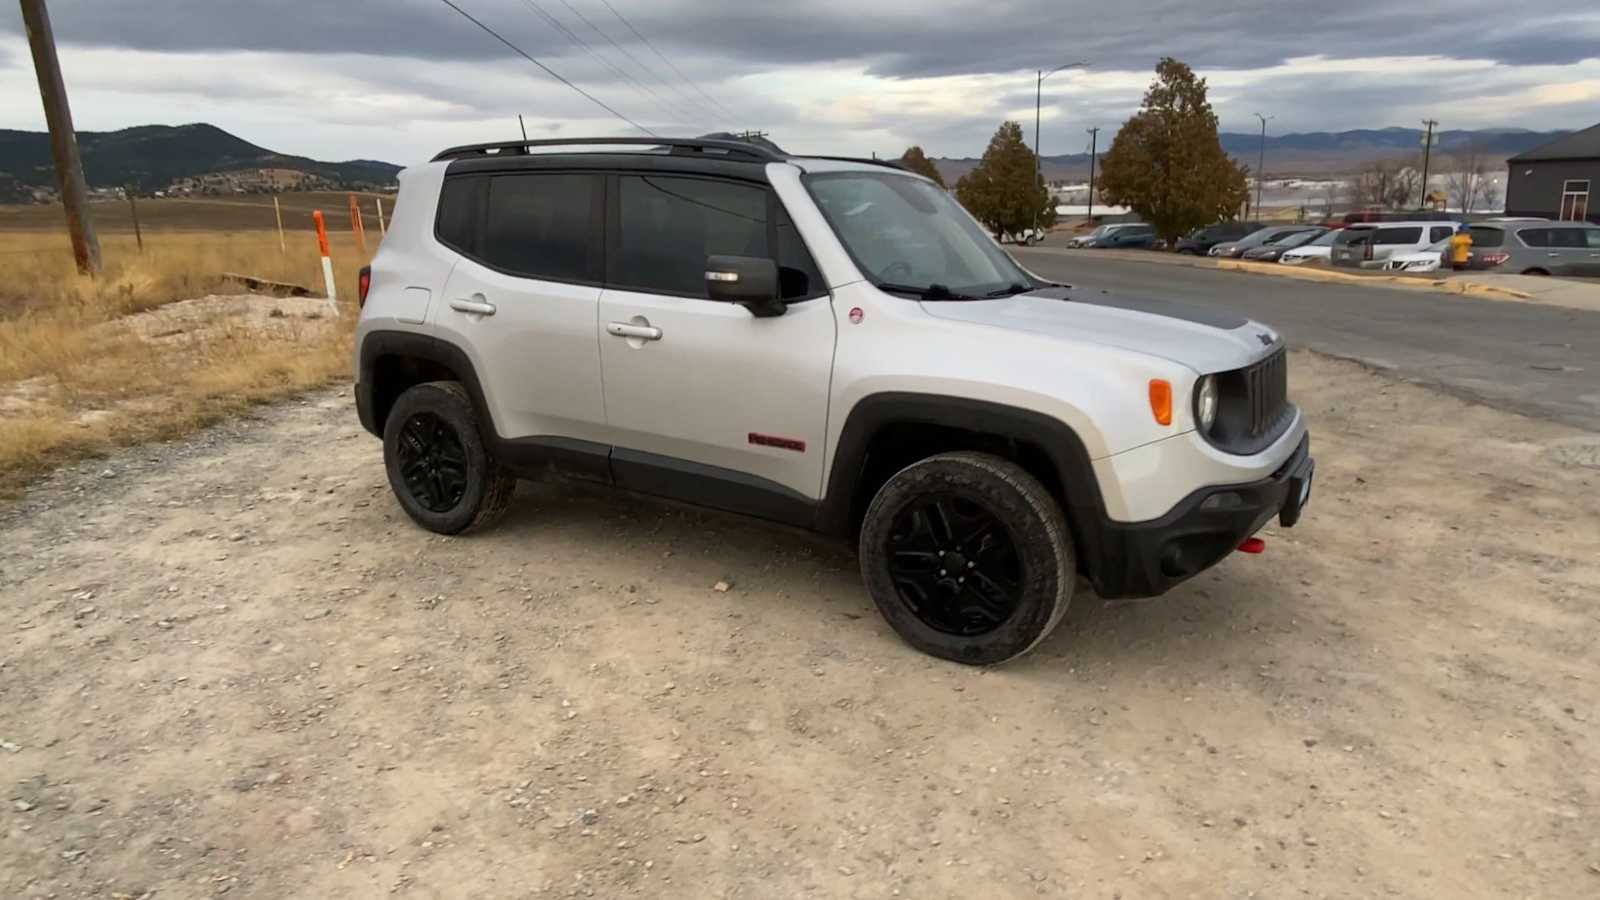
1267 392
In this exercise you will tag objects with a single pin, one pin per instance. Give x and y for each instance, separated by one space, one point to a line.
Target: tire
1539 272
1023 569
1188 252
460 486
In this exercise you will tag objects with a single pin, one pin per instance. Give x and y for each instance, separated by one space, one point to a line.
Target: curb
1440 285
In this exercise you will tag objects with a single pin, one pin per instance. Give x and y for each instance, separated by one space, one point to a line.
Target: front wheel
438 466
968 557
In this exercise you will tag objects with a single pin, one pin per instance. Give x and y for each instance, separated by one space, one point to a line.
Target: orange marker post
356 228
327 263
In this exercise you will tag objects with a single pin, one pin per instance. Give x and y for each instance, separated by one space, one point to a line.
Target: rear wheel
968 557
1534 272
438 466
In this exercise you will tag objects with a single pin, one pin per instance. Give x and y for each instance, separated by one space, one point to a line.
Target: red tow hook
1253 545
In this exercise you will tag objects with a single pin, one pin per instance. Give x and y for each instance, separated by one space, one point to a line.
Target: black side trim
703 485
1085 508
379 344
533 456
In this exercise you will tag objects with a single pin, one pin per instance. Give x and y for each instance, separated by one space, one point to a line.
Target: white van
1368 245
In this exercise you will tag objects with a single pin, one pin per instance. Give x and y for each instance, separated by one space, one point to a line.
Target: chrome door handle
629 330
1552 255
476 305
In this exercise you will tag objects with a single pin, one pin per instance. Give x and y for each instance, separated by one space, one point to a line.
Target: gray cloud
894 37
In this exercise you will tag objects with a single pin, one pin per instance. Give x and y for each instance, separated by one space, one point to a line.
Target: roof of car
1583 144
714 151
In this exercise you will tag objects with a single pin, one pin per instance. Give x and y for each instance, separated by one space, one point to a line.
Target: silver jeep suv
829 343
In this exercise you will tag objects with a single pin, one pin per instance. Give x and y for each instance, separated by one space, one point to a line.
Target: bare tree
1468 179
1330 196
1387 183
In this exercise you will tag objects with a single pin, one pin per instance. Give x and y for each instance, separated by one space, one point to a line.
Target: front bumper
1145 559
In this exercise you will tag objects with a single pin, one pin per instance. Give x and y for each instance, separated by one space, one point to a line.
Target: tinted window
669 226
1593 236
1399 235
541 226
1354 236
1535 237
458 213
1440 232
1487 237
1569 238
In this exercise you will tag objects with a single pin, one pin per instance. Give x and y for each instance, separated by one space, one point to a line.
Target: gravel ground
231 666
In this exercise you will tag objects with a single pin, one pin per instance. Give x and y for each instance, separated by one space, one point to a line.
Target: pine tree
1166 163
918 162
1004 192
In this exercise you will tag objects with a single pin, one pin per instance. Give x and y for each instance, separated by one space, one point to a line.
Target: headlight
1205 405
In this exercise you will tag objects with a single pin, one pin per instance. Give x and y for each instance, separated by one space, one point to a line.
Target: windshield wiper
931 292
1010 290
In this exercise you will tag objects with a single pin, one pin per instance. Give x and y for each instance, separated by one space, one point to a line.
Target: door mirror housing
750 281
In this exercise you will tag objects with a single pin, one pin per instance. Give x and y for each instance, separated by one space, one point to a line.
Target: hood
1205 340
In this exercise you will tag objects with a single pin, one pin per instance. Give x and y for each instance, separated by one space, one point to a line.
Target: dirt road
232 666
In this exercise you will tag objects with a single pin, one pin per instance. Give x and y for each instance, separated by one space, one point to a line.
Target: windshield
1324 239
906 232
1299 239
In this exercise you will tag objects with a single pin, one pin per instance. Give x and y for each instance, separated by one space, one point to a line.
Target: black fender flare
377 344
1084 508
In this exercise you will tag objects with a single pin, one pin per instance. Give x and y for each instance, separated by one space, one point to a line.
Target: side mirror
750 281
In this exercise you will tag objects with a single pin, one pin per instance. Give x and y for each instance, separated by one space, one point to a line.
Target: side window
1593 236
669 225
457 224
1567 238
1398 236
1439 233
1487 237
1535 237
541 226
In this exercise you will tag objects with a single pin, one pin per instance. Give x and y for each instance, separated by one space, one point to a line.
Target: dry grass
89 364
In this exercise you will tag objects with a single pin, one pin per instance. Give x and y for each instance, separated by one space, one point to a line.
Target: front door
705 401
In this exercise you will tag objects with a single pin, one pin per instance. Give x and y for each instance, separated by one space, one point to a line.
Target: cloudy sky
400 79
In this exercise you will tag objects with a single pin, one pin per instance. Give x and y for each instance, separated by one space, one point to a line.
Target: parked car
1429 259
1272 252
1129 237
1315 250
1258 238
1368 245
1086 240
1200 241
982 437
1534 247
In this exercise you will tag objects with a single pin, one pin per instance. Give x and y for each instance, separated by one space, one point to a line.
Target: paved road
1538 360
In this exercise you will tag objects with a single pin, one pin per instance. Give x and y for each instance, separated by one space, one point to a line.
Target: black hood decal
1215 318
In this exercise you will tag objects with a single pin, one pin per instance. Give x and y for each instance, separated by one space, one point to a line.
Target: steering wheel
900 266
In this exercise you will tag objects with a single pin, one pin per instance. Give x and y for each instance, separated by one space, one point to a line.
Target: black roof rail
873 161
679 146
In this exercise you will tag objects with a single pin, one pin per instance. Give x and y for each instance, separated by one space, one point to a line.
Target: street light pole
1038 98
1094 140
1261 161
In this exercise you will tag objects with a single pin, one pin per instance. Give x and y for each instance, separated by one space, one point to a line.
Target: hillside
197 158
1312 154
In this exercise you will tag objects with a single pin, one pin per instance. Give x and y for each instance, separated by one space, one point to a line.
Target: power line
646 41
549 71
701 107
584 45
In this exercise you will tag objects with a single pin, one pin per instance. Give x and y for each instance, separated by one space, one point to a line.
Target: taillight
1493 259
363 284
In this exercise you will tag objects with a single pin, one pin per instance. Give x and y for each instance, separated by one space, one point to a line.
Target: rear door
1591 264
713 405
1571 247
522 302
1396 239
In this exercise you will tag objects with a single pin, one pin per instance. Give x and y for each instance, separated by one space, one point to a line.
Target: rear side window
1439 232
668 226
1412 235
1593 237
1535 237
542 226
1487 237
457 225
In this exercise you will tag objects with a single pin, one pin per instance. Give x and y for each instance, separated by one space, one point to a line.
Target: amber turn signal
1161 400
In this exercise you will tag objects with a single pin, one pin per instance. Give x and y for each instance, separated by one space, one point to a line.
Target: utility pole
1427 153
63 140
1261 160
138 235
1038 98
1094 139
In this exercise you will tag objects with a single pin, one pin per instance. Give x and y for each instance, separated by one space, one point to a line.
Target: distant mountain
193 158
1316 153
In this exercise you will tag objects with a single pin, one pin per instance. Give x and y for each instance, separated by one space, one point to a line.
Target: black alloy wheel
954 564
433 462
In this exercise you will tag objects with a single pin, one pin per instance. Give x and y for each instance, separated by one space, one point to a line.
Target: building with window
1555 180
